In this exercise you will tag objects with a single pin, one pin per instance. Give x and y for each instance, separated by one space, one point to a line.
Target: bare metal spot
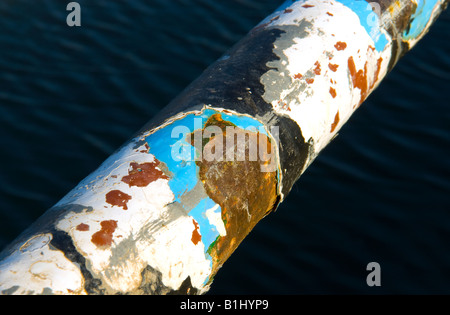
245 193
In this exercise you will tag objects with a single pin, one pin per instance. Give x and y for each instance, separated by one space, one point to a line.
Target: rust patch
244 192
333 92
335 123
288 10
103 238
360 77
196 237
298 76
310 81
308 6
377 72
118 198
330 14
284 105
143 174
274 19
333 67
340 45
82 227
317 69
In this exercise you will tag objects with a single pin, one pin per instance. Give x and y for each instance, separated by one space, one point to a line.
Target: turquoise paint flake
420 18
183 172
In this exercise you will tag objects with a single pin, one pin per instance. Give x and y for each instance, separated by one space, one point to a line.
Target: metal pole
166 210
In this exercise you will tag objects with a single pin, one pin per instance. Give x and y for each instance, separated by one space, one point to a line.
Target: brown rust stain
335 123
103 238
332 92
310 80
308 6
360 77
333 67
82 227
288 10
340 45
330 14
142 174
317 69
196 237
118 198
274 19
244 192
377 72
298 76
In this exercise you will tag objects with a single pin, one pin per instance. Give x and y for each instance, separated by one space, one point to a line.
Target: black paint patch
11 290
63 242
44 224
152 284
234 83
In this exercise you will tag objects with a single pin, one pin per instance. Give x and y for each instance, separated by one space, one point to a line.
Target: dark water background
380 192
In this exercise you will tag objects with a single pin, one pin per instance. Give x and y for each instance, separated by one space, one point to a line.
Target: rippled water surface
380 192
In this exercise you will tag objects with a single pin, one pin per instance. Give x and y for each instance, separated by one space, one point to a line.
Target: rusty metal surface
165 211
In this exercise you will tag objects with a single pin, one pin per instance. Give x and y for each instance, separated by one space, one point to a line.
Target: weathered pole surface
165 211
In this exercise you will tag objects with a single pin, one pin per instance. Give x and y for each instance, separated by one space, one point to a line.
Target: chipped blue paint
183 173
182 168
369 20
421 18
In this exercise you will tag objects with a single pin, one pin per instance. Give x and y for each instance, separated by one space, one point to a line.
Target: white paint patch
37 269
317 62
215 218
175 255
145 235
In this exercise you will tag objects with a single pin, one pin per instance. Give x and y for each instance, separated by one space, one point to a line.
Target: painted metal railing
166 210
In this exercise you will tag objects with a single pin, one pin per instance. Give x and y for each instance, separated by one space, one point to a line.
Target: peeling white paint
215 218
142 224
38 269
317 64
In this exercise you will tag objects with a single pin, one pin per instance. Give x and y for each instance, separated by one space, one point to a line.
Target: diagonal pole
166 210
